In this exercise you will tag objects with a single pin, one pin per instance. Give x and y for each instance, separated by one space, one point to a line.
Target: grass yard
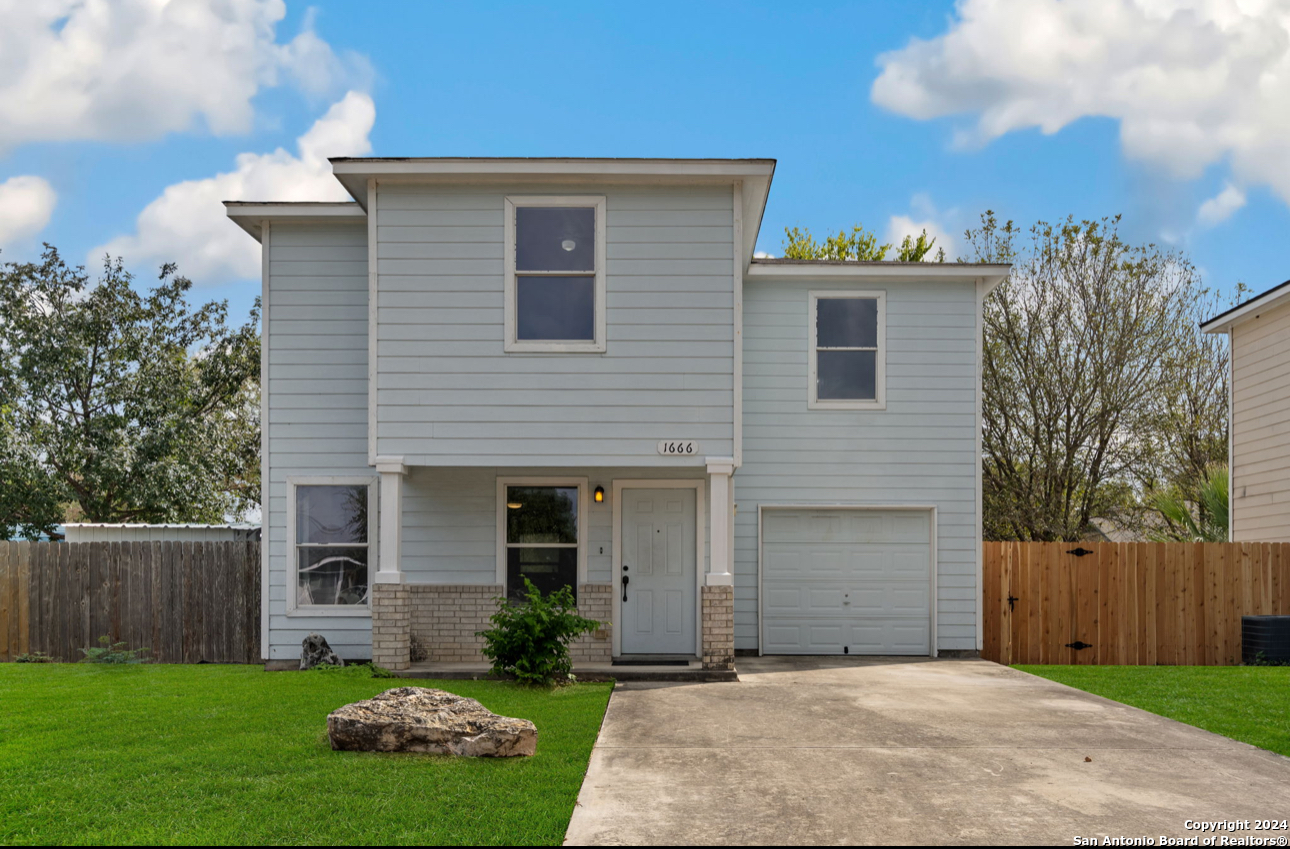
233 754
1246 703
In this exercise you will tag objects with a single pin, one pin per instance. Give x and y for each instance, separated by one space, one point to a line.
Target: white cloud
1220 207
1191 82
26 203
187 223
923 216
137 69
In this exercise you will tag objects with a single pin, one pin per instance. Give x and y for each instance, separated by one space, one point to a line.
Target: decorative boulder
417 719
314 651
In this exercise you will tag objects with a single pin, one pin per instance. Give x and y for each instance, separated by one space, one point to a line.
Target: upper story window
848 350
555 274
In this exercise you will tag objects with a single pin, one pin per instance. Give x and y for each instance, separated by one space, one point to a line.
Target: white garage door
837 579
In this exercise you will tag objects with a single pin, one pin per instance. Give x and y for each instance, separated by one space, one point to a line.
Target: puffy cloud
929 219
1191 82
1220 207
127 70
187 223
25 206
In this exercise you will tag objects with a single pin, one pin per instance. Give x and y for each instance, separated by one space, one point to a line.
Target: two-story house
574 371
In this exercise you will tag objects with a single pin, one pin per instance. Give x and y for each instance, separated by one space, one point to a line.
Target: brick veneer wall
391 620
718 627
595 601
445 618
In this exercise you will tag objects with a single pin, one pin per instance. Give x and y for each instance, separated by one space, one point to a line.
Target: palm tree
1204 520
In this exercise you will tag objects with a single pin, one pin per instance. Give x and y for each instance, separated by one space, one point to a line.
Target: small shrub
1261 659
109 652
530 641
33 657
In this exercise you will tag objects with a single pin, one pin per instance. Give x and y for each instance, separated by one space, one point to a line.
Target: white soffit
878 272
250 215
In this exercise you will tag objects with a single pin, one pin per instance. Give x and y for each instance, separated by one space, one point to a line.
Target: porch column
391 599
718 615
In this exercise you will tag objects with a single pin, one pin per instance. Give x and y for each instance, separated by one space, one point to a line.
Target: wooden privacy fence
1128 603
187 602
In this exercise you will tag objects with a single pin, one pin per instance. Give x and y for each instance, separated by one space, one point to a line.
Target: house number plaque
678 447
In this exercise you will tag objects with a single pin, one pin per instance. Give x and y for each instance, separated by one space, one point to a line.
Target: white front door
658 581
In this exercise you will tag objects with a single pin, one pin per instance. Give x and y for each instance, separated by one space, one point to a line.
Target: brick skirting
445 618
391 618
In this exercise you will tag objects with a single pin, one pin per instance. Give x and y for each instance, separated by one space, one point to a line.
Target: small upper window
847 358
555 274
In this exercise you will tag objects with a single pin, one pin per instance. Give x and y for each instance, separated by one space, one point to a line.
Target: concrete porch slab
691 673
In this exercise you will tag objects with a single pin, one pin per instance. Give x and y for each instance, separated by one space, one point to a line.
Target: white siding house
574 372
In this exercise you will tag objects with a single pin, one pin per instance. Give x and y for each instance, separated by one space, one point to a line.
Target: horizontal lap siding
447 393
317 352
1261 428
450 520
920 450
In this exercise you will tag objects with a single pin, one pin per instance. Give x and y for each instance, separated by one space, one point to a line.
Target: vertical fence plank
6 650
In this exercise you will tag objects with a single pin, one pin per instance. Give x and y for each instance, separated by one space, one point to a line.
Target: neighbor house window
331 546
555 274
848 361
541 528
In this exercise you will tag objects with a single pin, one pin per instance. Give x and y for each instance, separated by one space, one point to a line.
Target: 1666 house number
678 447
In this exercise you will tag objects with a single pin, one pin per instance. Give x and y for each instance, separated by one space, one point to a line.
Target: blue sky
795 82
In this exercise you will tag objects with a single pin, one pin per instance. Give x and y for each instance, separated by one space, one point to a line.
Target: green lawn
233 754
1247 703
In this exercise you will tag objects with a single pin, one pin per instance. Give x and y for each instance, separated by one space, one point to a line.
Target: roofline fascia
993 275
249 215
1270 299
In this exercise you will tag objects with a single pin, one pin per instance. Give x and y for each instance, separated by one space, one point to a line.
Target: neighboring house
1258 333
160 532
574 371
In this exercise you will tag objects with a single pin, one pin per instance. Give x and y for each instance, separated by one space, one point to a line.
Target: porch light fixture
599 494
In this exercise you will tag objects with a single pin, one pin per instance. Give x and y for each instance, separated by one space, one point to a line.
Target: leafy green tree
119 406
857 246
1088 345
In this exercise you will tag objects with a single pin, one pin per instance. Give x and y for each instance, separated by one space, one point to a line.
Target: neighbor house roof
1274 297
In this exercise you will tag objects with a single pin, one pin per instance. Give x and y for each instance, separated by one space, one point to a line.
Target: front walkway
899 751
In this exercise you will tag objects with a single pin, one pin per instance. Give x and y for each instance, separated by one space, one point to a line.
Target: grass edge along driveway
234 754
1246 703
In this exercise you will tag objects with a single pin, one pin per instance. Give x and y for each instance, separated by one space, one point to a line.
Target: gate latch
1012 602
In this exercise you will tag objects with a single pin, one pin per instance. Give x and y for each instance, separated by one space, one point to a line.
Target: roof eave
990 275
1271 299
251 215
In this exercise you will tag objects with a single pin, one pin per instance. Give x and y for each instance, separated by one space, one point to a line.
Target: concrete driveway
881 751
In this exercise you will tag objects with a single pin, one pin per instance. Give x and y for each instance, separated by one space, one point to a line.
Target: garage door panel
876 636
853 579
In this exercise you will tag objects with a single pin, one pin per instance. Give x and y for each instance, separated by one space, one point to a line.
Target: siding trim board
266 247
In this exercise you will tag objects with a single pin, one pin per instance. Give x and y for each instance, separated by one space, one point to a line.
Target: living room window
555 274
848 352
541 530
330 543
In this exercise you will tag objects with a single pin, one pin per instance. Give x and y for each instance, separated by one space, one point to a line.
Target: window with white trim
555 274
331 545
848 357
542 537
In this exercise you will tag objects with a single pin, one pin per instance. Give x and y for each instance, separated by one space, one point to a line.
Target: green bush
354 670
530 641
109 652
33 657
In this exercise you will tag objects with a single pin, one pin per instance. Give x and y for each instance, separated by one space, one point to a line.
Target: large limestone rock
314 651
417 719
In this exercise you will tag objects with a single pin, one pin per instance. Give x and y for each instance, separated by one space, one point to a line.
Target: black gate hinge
1080 552
1079 644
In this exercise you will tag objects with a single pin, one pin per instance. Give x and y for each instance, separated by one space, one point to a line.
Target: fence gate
1128 603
